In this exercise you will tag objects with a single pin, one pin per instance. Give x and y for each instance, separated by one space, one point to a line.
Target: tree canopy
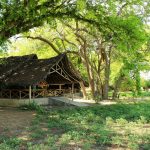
18 16
100 33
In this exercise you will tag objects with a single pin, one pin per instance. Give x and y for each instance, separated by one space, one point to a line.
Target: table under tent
23 77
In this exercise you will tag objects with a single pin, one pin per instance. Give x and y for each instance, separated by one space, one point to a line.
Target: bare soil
13 121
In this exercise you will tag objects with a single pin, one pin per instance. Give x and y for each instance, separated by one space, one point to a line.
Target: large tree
115 26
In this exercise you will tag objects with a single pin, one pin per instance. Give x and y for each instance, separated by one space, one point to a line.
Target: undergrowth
125 126
33 106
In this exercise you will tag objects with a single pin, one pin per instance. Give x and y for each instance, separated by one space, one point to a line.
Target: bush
33 106
11 143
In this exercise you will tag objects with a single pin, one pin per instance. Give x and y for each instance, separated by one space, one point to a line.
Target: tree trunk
92 85
138 82
117 86
106 54
106 83
83 90
89 73
90 79
106 74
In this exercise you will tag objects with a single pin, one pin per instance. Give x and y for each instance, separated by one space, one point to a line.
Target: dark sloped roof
30 71
10 64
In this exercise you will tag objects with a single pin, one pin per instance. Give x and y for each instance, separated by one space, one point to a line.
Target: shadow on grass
97 127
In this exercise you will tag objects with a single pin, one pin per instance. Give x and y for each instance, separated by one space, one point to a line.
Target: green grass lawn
119 126
130 94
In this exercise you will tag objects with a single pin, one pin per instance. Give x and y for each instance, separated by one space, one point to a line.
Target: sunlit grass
125 126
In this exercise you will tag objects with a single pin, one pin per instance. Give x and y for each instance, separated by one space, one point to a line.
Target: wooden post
72 91
59 86
0 94
34 90
55 92
10 94
30 93
20 94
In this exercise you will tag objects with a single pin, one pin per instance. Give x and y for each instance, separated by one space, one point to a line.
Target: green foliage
87 146
145 94
94 25
81 5
24 46
147 83
94 123
33 106
131 94
51 140
38 134
131 34
38 147
119 125
10 143
65 139
3 50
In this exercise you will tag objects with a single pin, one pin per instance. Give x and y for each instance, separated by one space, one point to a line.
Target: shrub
33 106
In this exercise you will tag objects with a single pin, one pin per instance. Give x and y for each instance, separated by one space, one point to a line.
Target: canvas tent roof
28 70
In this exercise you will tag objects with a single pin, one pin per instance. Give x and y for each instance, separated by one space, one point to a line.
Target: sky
145 75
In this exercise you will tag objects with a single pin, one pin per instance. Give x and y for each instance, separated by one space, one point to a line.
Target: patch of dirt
13 121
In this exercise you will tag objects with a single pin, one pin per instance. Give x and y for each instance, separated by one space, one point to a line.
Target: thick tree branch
121 9
44 40
49 43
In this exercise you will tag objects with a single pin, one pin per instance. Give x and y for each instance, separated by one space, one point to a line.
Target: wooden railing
23 94
14 93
